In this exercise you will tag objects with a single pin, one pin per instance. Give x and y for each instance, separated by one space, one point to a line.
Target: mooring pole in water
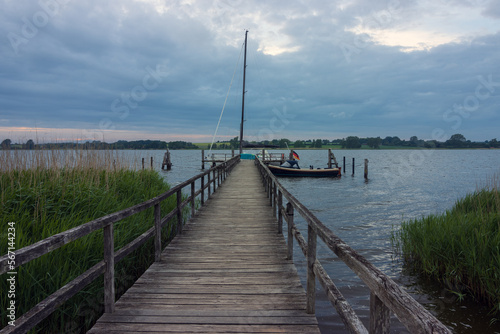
366 169
142 163
202 159
343 167
151 162
166 161
352 166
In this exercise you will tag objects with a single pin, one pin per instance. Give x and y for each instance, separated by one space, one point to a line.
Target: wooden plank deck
227 273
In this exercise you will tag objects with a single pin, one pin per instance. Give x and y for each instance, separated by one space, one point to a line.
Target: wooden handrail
386 296
24 255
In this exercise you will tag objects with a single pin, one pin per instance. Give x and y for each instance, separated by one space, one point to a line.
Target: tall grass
460 248
45 193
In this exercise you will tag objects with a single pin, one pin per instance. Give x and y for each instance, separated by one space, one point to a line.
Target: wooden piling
202 159
151 162
109 273
352 166
366 169
143 163
166 161
344 166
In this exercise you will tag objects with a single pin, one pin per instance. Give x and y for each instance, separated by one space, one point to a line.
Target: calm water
402 185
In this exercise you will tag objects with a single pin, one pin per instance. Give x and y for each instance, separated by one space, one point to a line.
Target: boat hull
295 172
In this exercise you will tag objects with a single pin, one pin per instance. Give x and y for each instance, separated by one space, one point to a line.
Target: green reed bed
461 248
46 197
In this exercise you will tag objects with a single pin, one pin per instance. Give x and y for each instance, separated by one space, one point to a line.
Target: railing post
271 185
179 212
218 176
289 220
213 172
275 200
193 209
209 183
268 186
380 316
280 214
311 277
109 273
157 215
202 190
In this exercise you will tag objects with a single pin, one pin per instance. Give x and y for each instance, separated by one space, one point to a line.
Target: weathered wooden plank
263 301
208 312
194 305
214 320
214 289
106 328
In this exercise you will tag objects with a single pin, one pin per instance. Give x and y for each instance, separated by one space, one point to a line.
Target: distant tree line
353 142
456 141
119 145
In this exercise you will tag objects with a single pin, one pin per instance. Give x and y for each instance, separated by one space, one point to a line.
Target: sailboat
287 168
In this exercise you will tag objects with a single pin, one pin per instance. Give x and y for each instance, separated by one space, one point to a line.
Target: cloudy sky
161 69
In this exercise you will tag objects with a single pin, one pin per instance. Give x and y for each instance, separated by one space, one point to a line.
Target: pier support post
289 220
209 184
280 214
329 158
193 208
275 200
270 191
109 273
380 315
202 159
179 212
157 214
311 277
166 161
366 169
214 180
202 190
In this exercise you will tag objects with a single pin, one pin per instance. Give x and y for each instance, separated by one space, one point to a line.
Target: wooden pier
227 272
228 269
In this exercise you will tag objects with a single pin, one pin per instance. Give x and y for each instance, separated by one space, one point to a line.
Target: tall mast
243 98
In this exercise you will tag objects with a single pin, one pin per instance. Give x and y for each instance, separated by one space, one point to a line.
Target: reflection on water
402 185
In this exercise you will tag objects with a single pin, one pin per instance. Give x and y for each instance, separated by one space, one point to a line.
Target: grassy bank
45 194
461 248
